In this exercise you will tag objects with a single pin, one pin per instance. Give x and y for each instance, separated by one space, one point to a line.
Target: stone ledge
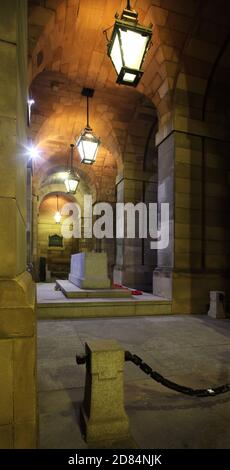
16 292
17 304
186 125
104 309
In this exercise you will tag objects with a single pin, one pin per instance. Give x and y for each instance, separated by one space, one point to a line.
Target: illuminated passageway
126 110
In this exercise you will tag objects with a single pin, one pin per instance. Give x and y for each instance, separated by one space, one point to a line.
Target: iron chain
203 392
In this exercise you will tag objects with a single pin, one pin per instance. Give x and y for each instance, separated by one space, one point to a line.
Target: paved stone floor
191 350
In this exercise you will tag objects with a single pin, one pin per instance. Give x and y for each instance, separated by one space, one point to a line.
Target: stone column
35 254
135 260
162 276
107 245
17 292
29 218
193 177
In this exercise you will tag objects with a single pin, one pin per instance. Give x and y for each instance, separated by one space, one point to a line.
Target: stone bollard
103 419
216 309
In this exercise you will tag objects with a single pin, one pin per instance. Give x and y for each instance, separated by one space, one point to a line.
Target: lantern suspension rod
88 93
71 155
88 111
129 5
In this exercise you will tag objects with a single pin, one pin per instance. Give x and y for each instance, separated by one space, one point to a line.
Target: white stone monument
216 309
89 271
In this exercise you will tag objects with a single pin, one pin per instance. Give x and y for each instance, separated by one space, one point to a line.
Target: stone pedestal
89 271
104 422
216 309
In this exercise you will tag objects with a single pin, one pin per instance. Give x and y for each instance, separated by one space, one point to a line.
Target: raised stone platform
74 292
53 304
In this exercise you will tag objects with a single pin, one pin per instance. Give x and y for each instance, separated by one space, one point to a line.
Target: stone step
54 304
73 292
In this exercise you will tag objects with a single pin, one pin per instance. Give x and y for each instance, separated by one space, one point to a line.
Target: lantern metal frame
87 134
71 176
128 21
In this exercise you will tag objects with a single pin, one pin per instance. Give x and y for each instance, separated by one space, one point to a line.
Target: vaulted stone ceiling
67 51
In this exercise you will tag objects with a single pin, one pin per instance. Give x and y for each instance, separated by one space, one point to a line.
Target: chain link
203 392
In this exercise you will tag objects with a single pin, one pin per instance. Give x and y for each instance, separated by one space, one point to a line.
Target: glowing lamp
87 146
57 215
128 46
33 152
88 143
72 180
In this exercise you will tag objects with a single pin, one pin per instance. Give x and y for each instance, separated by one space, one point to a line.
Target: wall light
33 152
30 103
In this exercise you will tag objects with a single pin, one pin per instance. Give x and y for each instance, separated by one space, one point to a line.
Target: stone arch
206 44
55 189
54 178
69 24
57 259
115 122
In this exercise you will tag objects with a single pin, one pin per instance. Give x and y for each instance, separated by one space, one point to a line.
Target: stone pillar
17 291
103 418
35 254
193 177
135 260
162 276
29 218
107 245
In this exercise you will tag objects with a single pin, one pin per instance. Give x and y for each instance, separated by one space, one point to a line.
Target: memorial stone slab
89 271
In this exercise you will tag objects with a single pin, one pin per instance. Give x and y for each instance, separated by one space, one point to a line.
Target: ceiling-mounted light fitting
72 180
57 216
128 46
30 103
88 143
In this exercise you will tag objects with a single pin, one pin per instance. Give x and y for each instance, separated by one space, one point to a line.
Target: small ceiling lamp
88 143
128 45
71 180
57 216
30 103
33 152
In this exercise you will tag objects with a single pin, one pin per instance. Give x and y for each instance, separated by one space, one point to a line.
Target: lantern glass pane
67 185
71 184
129 77
116 54
81 149
133 46
87 146
90 149
57 217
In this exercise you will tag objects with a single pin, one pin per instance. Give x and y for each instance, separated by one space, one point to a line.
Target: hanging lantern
88 143
128 46
72 180
57 216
